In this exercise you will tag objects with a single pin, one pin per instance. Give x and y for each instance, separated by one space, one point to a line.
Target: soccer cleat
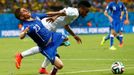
18 59
66 43
121 45
103 41
112 48
43 71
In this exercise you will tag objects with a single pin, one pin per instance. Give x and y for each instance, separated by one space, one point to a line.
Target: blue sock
111 40
121 38
107 37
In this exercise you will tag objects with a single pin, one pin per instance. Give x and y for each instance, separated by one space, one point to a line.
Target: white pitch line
83 71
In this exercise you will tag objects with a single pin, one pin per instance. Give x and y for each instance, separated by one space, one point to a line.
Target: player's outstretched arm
23 33
53 18
54 15
108 16
67 27
60 13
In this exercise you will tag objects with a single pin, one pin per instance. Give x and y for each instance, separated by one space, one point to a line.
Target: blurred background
8 6
95 18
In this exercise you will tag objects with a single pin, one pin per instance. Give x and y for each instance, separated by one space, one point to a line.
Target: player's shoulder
110 4
71 9
121 3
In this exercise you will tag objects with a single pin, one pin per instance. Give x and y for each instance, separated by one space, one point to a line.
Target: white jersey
71 15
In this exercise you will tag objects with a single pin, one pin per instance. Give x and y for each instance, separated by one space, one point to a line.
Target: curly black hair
17 13
84 3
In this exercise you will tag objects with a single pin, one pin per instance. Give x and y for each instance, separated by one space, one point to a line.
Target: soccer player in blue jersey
105 38
116 8
69 13
46 40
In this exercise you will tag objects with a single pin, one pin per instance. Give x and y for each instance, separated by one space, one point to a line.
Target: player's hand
26 30
77 39
121 17
126 22
50 20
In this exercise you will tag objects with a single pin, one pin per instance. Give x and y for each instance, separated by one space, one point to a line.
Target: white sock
31 51
45 63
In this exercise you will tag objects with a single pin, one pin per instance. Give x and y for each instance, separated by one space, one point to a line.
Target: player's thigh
50 52
58 63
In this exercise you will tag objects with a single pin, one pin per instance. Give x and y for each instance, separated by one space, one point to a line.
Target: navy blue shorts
50 50
117 26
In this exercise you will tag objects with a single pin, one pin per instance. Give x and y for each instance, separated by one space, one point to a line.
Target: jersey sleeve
71 11
23 28
108 8
124 8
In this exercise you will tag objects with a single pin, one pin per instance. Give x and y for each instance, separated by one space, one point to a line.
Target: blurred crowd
8 6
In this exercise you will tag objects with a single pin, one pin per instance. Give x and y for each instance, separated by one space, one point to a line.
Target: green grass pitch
88 58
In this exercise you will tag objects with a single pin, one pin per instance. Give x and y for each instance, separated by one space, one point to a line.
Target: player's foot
103 41
112 48
121 45
18 59
43 71
66 43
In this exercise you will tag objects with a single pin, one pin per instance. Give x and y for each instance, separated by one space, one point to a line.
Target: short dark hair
17 13
84 3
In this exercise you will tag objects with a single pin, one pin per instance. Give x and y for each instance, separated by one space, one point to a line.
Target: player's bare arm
122 13
127 20
23 33
55 15
109 17
53 18
60 13
67 27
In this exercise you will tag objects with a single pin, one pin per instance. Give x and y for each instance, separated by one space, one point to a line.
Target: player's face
24 14
83 11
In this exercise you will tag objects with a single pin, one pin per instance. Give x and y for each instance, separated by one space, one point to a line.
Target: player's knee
58 63
60 66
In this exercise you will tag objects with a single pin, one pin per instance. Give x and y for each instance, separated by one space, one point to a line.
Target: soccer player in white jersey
68 15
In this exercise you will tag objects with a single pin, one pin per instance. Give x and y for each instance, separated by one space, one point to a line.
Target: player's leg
121 39
44 65
50 53
113 33
120 34
117 37
26 53
57 66
66 42
55 70
104 39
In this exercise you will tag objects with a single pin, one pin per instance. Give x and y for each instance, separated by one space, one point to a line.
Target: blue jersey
37 31
116 9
